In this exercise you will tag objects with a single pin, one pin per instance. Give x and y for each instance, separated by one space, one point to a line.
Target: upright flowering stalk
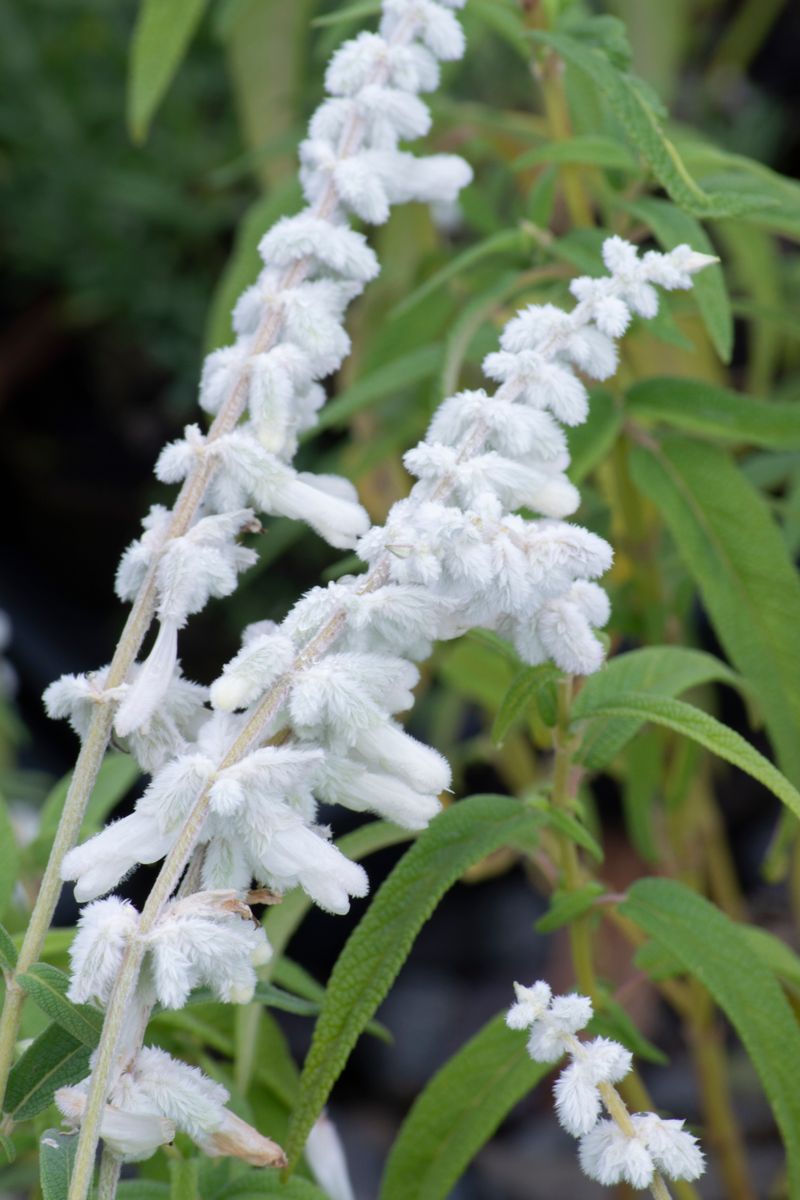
289 337
635 1148
306 710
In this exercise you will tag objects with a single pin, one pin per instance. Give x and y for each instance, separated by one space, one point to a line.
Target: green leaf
566 906
7 1148
664 670
387 380
183 1179
281 921
714 950
632 103
116 776
673 227
8 951
9 857
703 408
521 696
590 443
268 995
568 825
55 1059
588 149
142 1189
244 263
298 980
613 1022
265 1183
706 731
458 1112
350 12
458 838
47 987
774 953
161 37
733 549
505 241
57 1154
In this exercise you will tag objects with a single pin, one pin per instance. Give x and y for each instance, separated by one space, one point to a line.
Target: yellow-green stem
705 1039
551 78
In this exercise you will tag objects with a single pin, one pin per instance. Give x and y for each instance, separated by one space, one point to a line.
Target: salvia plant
146 1035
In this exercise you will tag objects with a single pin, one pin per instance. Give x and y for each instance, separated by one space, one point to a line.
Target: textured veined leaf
9 857
256 1184
521 697
590 149
376 950
164 29
458 1112
673 227
8 951
700 407
56 1156
566 906
663 670
590 443
281 921
714 949
631 103
706 731
349 12
47 987
142 1189
775 954
53 1060
734 551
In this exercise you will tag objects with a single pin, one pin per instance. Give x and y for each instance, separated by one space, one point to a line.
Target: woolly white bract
629 1148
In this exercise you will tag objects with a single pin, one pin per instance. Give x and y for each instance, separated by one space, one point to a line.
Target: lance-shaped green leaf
715 951
56 1156
8 951
9 857
567 906
458 1112
700 407
706 731
142 1189
505 241
164 29
662 670
749 586
47 987
633 104
376 950
589 149
55 1059
265 1183
387 380
674 227
526 688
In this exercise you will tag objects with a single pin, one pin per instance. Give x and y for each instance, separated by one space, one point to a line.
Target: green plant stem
550 73
705 1039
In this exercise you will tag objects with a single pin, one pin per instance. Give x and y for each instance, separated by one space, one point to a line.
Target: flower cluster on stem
306 710
639 1149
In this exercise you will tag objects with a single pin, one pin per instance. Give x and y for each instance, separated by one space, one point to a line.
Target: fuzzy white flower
610 1156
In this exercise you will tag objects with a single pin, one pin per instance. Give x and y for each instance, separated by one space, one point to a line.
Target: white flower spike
627 1147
